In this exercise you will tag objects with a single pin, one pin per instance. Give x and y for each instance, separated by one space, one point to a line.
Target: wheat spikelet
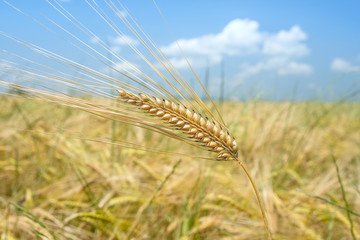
202 130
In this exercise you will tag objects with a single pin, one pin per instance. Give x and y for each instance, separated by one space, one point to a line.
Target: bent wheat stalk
202 130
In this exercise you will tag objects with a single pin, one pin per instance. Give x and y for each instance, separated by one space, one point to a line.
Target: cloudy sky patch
280 52
341 65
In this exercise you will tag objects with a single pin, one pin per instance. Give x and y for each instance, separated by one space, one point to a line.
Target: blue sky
269 49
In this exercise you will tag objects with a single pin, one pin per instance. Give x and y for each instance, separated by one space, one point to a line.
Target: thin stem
344 198
149 201
266 223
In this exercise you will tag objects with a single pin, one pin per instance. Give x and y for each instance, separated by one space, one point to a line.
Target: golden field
66 174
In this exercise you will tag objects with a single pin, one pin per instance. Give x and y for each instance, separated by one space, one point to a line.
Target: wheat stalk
205 132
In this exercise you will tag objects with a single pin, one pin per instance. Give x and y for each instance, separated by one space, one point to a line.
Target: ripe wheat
207 133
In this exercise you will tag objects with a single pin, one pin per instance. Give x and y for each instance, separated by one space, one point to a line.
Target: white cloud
117 43
287 43
239 37
281 65
341 65
195 61
124 40
295 68
180 63
277 51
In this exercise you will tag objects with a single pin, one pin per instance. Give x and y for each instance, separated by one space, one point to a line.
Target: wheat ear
202 130
207 133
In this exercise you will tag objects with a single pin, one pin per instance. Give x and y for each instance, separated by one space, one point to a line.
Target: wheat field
96 146
65 174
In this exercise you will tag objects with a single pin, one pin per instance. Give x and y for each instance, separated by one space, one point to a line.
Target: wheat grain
202 130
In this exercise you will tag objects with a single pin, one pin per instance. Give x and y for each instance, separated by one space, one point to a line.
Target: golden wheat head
202 130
